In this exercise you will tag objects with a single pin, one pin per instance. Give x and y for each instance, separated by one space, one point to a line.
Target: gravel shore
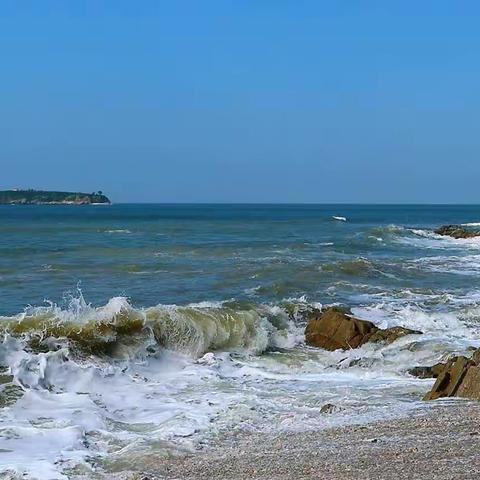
442 442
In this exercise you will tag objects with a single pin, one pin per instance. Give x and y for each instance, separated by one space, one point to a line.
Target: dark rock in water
460 377
457 231
329 408
389 335
427 372
334 329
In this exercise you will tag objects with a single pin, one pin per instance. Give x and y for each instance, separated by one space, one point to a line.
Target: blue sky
242 101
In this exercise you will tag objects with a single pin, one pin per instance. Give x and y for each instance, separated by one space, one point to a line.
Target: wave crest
118 327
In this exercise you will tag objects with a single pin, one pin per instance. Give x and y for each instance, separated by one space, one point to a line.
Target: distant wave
339 219
442 241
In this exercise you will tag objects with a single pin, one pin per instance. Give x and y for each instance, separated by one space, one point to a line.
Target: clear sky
242 101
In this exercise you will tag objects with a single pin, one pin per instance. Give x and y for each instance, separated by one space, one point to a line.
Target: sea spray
102 388
192 329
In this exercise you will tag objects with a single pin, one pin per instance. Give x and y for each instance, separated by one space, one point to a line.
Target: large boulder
460 377
333 329
456 231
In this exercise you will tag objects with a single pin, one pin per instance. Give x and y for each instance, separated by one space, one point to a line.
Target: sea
135 331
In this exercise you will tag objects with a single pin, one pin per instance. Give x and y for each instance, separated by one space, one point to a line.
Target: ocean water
137 330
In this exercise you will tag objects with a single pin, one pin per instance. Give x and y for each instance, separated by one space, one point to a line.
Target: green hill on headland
41 197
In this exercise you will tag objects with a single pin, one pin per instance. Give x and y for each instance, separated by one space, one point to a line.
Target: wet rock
363 362
427 372
330 408
389 335
457 231
476 356
470 385
460 377
333 329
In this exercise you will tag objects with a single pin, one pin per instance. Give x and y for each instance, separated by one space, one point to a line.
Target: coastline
47 197
439 442
198 371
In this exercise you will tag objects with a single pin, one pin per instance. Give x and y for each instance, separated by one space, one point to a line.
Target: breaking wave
118 328
92 388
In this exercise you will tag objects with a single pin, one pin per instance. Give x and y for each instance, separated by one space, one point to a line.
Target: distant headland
42 197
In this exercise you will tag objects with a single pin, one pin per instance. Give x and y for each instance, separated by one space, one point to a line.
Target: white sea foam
456 264
428 239
197 370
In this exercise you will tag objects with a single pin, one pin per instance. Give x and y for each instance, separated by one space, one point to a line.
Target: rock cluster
457 231
460 377
333 329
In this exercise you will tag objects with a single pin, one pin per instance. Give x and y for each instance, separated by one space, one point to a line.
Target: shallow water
166 324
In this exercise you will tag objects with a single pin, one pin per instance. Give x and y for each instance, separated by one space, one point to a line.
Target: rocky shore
439 442
334 328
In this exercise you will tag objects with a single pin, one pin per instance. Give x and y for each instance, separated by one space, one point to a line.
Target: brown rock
470 386
334 329
476 356
456 231
389 335
460 377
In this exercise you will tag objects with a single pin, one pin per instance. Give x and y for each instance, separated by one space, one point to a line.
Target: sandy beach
442 442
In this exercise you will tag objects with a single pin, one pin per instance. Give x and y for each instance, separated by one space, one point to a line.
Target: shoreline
442 442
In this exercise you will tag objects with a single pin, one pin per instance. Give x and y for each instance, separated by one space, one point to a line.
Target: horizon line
296 203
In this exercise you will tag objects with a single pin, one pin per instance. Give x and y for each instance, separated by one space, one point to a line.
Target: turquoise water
176 254
137 330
